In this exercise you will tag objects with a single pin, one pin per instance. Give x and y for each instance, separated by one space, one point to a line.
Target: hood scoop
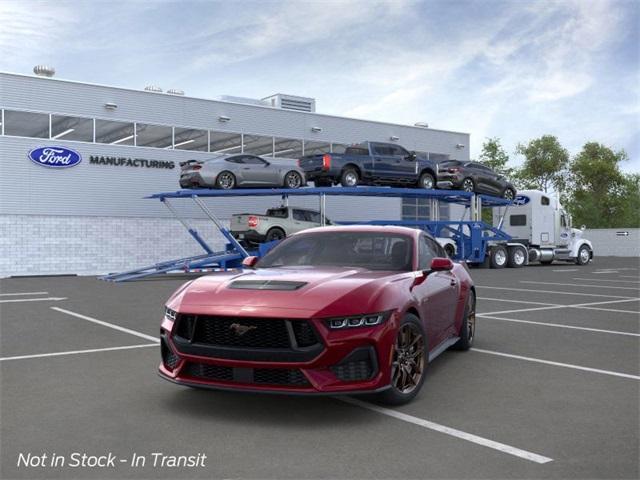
266 285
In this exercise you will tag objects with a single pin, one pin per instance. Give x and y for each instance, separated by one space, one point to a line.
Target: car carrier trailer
469 239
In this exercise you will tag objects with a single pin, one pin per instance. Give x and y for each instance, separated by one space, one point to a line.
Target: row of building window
113 132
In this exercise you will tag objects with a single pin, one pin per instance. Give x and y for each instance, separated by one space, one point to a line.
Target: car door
404 166
300 220
383 161
257 171
437 294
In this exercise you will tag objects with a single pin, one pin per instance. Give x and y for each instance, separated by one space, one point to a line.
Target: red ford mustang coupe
331 310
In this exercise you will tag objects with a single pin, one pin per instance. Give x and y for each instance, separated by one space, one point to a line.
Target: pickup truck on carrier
275 224
371 163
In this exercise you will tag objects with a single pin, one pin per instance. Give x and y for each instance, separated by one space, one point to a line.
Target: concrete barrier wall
614 242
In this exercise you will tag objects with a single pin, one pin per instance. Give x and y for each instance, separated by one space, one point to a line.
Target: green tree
600 195
494 156
545 164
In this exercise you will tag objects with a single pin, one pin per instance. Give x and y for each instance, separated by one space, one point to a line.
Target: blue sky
509 69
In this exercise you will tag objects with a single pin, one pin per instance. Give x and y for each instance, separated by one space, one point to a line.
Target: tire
584 255
275 234
349 177
225 180
468 185
292 180
517 257
450 250
400 390
498 257
508 194
427 181
468 326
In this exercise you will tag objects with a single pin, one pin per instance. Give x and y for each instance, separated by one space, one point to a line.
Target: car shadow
263 409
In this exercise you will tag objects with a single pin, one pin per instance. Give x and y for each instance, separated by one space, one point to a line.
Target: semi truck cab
538 222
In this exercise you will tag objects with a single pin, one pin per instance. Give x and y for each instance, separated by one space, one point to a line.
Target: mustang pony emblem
240 329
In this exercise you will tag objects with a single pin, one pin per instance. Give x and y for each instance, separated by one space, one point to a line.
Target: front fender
579 243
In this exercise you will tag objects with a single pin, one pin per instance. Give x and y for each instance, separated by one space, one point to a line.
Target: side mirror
249 262
439 264
412 156
583 228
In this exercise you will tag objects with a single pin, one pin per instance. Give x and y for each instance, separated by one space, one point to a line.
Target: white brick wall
46 245
607 242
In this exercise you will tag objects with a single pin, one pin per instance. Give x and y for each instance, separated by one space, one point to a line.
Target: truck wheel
293 179
275 234
498 257
468 185
427 181
584 255
517 257
226 180
349 178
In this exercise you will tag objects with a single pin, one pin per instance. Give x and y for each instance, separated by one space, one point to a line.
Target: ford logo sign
55 157
521 200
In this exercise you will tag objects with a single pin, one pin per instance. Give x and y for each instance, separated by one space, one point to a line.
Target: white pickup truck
275 224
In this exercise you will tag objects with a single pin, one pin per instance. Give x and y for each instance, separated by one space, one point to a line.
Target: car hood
299 292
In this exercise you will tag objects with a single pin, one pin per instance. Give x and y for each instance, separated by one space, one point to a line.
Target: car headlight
369 320
170 314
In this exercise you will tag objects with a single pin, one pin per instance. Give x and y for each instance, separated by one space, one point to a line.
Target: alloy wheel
584 255
408 362
427 182
471 317
351 179
293 180
508 194
467 185
226 181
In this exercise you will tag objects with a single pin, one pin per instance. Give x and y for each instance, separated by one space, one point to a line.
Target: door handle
246 168
453 282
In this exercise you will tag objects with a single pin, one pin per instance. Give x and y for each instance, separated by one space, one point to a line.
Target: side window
563 220
436 248
313 216
517 220
251 160
544 200
426 253
235 160
299 215
399 151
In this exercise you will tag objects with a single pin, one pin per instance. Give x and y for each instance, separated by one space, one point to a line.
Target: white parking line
559 325
529 290
558 364
582 285
605 272
604 280
76 352
23 293
516 301
20 300
469 437
567 270
586 306
107 324
628 276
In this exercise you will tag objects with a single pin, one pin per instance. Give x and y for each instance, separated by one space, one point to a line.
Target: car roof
364 228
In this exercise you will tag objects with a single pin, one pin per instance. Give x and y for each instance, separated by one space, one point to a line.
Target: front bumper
355 360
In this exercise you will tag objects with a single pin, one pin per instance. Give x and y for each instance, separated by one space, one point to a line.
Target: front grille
279 376
353 371
261 376
260 333
206 371
169 359
304 333
241 332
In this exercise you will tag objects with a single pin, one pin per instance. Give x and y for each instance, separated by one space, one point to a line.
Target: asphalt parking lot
550 390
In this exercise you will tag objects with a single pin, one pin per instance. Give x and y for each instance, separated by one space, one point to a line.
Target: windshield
370 250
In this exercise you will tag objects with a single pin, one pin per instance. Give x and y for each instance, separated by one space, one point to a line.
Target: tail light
453 170
196 167
299 163
326 161
253 221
